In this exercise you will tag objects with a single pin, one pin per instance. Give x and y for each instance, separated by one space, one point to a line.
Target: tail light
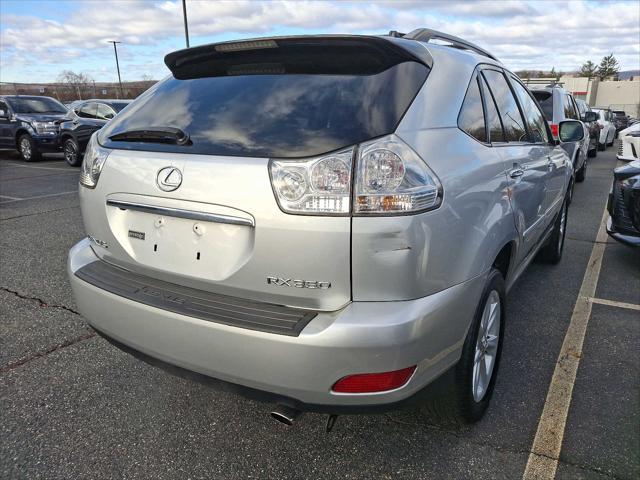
554 130
320 186
373 382
390 179
92 164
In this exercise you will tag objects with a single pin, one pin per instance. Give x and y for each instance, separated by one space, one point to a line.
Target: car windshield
545 99
36 105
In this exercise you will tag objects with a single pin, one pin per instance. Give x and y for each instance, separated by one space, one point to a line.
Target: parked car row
34 125
329 223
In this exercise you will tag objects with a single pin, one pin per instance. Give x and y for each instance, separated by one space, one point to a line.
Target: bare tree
75 82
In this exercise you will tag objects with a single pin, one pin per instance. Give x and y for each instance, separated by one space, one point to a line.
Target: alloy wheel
563 224
486 346
70 153
25 148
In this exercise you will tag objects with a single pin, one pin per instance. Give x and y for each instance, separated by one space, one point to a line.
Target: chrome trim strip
182 213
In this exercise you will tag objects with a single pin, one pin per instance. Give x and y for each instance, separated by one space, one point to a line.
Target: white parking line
545 451
10 198
38 196
612 303
36 167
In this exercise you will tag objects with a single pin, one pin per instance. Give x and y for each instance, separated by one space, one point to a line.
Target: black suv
620 120
84 118
624 204
30 125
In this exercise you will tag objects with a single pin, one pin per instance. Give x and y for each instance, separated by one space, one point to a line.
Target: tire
467 395
28 149
552 251
582 173
594 151
602 146
71 152
570 192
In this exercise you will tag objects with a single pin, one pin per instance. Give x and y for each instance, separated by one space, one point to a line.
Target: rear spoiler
321 54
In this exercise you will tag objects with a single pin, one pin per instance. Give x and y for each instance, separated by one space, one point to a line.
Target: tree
588 69
146 77
75 81
608 67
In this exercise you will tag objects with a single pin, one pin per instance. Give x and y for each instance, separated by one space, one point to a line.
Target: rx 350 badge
296 283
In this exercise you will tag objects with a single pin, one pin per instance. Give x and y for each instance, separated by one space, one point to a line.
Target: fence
68 92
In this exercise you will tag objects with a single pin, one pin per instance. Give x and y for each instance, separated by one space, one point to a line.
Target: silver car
329 223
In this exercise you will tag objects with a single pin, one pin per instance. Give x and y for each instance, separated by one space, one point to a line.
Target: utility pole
186 28
115 50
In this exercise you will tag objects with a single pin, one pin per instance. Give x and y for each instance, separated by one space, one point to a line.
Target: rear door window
533 116
105 112
569 109
471 118
263 111
88 110
545 99
496 132
512 121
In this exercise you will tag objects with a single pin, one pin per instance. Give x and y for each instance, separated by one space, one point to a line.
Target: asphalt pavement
73 406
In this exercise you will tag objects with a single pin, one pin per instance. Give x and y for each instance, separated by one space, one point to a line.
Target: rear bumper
362 337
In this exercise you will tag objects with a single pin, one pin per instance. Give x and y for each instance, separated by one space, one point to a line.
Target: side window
471 118
569 110
496 132
3 106
512 121
88 110
105 112
532 114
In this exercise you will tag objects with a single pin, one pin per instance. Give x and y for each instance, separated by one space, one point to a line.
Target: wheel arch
21 131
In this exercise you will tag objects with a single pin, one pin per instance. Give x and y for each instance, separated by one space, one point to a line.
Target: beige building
622 95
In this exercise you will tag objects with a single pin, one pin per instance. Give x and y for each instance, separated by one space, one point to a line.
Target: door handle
516 173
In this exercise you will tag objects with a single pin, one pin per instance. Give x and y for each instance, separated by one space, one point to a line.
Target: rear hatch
199 209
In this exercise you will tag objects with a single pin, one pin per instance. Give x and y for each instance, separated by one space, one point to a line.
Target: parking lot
73 406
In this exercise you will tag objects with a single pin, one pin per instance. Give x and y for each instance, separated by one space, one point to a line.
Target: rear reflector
373 382
554 129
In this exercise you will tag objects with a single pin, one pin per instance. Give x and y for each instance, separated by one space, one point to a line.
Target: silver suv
330 223
559 105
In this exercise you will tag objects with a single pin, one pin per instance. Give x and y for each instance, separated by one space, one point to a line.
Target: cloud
523 34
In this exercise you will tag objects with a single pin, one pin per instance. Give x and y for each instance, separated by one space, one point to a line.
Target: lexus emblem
169 179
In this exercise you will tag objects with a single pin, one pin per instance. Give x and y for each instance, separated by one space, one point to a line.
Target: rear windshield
545 99
272 115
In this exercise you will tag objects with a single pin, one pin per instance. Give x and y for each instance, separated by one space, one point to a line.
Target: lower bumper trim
199 304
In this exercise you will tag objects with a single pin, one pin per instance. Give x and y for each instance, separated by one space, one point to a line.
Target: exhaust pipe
286 415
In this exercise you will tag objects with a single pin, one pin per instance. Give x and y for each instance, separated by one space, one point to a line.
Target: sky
40 38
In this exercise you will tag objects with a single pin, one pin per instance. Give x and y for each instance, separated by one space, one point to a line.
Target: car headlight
94 158
46 127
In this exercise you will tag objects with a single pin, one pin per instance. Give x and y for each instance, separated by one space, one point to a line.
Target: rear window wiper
153 135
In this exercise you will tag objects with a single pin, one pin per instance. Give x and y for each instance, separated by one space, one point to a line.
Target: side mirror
4 114
589 117
570 131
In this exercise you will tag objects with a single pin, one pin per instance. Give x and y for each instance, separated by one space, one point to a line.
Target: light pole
186 28
115 50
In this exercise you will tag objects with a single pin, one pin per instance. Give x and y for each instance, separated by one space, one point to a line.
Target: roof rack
547 82
427 34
